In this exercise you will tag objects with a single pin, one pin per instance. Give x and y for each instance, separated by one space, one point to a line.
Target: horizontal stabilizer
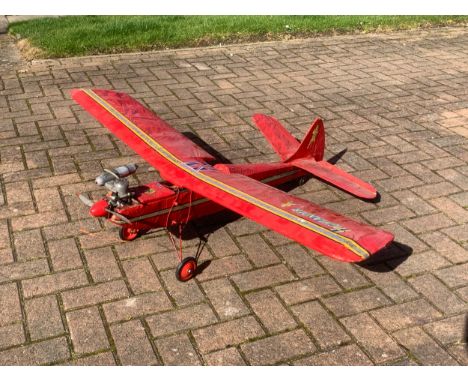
279 138
337 177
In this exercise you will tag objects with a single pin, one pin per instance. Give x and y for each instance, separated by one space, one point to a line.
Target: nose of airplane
98 209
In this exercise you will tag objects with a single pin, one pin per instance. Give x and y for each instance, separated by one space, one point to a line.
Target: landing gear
127 233
186 269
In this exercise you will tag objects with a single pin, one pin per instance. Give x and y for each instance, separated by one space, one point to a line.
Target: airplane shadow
388 259
205 146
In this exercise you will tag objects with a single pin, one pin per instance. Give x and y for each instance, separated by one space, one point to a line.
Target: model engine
115 181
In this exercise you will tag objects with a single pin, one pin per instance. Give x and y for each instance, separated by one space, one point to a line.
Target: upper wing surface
97 102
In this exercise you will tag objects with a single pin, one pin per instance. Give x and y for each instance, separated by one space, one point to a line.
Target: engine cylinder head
116 173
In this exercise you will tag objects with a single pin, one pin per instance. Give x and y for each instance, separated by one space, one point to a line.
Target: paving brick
101 359
398 183
222 244
458 233
300 261
278 348
225 357
38 220
437 293
224 267
420 263
390 283
344 273
435 190
323 326
19 271
54 282
423 348
4 234
11 335
85 227
64 254
449 330
40 353
87 331
187 293
43 317
48 199
139 248
446 247
226 334
224 299
304 290
181 319
428 223
141 276
269 309
372 338
355 302
29 245
136 306
349 355
459 353
454 276
400 316
132 344
6 256
94 294
9 301
258 250
18 192
387 215
451 209
414 202
261 278
102 264
177 351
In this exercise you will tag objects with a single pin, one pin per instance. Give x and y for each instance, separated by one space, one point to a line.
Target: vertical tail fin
287 147
313 144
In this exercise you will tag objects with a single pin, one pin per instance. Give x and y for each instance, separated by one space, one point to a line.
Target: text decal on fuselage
334 227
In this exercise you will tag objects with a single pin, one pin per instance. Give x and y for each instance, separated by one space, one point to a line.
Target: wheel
127 233
186 269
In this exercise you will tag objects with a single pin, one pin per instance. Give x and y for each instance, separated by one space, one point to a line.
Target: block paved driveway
72 293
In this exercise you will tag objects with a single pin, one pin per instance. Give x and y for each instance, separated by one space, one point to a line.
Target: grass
89 35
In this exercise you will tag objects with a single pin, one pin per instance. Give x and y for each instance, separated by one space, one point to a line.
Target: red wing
336 176
95 102
311 225
318 228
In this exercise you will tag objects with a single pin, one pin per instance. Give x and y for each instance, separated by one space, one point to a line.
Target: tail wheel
186 269
127 233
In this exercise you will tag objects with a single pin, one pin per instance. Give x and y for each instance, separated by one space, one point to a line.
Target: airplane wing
313 226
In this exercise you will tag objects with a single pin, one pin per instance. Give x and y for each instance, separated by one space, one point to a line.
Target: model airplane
195 185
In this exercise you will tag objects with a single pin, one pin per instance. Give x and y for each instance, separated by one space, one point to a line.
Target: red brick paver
72 293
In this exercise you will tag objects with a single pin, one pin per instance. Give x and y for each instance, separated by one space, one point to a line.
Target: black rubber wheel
186 269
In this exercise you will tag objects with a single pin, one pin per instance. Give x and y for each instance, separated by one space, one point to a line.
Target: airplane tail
286 146
308 155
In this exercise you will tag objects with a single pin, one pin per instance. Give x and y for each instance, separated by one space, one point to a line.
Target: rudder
313 144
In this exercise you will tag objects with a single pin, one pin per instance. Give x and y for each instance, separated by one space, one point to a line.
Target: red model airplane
197 186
